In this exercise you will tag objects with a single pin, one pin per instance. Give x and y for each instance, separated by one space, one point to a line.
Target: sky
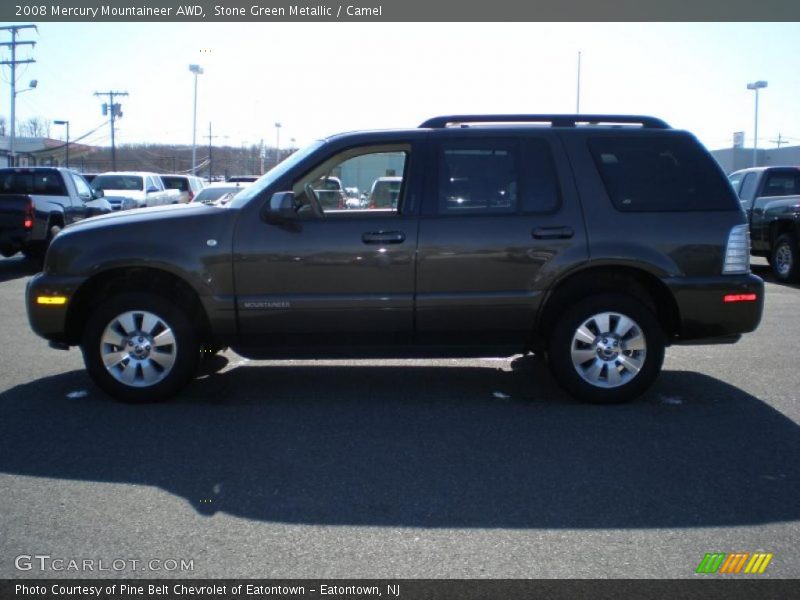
317 79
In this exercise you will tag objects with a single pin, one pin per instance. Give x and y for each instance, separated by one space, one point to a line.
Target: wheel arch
118 280
607 278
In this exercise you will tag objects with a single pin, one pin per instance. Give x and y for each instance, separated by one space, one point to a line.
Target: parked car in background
771 198
385 192
593 240
37 202
187 185
134 189
219 193
353 199
330 193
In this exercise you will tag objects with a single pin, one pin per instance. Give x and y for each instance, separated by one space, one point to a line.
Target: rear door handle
552 233
383 237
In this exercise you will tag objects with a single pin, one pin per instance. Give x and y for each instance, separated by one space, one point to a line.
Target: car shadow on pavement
420 446
18 266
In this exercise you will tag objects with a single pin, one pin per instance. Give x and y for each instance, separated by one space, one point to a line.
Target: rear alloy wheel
140 347
785 260
607 348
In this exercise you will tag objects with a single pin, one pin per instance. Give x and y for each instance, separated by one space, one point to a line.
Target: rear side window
782 183
657 174
41 183
478 176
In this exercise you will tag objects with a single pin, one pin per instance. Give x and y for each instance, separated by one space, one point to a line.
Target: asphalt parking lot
412 469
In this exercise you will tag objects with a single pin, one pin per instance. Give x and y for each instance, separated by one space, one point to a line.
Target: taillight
28 222
737 251
739 298
191 196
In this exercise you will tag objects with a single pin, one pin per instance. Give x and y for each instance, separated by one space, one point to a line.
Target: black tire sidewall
188 349
560 343
794 272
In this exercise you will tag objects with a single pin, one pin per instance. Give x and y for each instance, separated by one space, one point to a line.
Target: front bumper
50 320
704 315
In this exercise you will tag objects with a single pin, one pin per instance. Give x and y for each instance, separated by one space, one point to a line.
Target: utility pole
14 29
780 141
210 138
114 111
578 94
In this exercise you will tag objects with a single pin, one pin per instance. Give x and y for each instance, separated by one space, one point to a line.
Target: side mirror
280 208
96 194
151 189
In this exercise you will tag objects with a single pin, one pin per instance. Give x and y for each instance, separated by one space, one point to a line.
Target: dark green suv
595 240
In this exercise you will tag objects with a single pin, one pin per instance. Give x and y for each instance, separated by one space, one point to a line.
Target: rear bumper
13 239
705 317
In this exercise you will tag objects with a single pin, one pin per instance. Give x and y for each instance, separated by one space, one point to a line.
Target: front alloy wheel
140 347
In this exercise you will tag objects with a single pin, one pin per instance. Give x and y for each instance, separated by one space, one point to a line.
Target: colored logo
735 562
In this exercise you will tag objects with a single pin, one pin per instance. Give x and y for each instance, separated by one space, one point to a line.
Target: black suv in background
596 240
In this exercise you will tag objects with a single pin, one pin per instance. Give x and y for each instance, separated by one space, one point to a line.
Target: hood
143 216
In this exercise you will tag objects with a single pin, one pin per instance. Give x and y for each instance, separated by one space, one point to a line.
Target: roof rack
553 120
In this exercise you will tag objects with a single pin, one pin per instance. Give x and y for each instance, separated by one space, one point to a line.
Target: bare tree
2 125
35 127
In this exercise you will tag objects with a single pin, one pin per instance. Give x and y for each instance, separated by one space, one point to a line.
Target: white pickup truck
134 189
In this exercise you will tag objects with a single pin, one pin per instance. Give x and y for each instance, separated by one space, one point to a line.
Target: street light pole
756 85
277 143
67 124
197 70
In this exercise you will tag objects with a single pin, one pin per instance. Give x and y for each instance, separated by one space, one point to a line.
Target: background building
733 159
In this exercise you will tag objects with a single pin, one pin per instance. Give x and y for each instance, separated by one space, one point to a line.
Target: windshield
117 182
274 174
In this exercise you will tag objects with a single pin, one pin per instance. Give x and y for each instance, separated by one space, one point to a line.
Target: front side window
359 180
84 191
748 187
478 176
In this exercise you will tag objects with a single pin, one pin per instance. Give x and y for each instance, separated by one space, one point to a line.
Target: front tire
785 259
140 347
606 348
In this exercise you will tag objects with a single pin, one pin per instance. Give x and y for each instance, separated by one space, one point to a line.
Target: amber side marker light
51 300
739 298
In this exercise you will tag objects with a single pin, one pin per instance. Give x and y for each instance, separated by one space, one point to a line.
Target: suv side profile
595 240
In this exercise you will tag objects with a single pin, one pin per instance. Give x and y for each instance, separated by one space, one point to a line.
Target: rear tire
785 259
606 349
140 347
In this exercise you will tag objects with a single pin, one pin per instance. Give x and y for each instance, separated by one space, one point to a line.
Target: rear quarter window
660 174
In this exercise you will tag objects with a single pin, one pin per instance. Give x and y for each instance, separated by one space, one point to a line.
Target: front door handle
383 237
552 233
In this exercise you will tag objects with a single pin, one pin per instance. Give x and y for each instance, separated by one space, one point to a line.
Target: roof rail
553 120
